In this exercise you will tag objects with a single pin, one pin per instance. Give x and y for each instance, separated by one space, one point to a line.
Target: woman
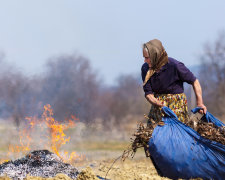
163 79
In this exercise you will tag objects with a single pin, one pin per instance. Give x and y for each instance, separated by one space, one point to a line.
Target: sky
110 33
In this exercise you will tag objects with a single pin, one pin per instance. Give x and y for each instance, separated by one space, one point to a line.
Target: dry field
139 168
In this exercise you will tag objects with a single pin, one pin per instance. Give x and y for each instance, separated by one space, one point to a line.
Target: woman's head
155 54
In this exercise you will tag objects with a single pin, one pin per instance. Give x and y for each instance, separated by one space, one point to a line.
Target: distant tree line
71 86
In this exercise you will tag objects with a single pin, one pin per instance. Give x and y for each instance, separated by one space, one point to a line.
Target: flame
56 137
72 157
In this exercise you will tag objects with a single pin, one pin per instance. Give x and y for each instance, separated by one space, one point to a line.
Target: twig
112 165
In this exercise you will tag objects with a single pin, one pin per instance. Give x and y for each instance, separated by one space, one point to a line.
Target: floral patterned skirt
176 102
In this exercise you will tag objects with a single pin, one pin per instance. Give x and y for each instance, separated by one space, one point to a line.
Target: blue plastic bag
180 152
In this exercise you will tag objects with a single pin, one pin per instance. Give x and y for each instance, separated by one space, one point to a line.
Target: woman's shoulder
173 61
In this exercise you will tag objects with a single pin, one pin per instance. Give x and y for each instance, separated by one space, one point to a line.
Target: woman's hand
153 100
203 108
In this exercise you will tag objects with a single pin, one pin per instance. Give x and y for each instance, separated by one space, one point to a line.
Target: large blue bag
180 152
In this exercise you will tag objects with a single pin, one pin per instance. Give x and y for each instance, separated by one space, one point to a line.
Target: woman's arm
153 100
198 93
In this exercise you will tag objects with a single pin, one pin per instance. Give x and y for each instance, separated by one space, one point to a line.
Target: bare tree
15 94
71 87
212 75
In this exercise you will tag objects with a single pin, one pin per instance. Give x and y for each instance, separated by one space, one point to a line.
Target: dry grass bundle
140 139
207 130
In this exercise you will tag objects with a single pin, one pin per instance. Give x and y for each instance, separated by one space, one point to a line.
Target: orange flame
56 139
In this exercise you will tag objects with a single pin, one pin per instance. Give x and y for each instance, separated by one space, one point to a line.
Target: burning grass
44 133
41 164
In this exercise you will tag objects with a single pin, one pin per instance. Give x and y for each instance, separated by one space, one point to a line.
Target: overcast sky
109 33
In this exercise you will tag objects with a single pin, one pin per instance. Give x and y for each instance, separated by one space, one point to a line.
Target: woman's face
146 57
